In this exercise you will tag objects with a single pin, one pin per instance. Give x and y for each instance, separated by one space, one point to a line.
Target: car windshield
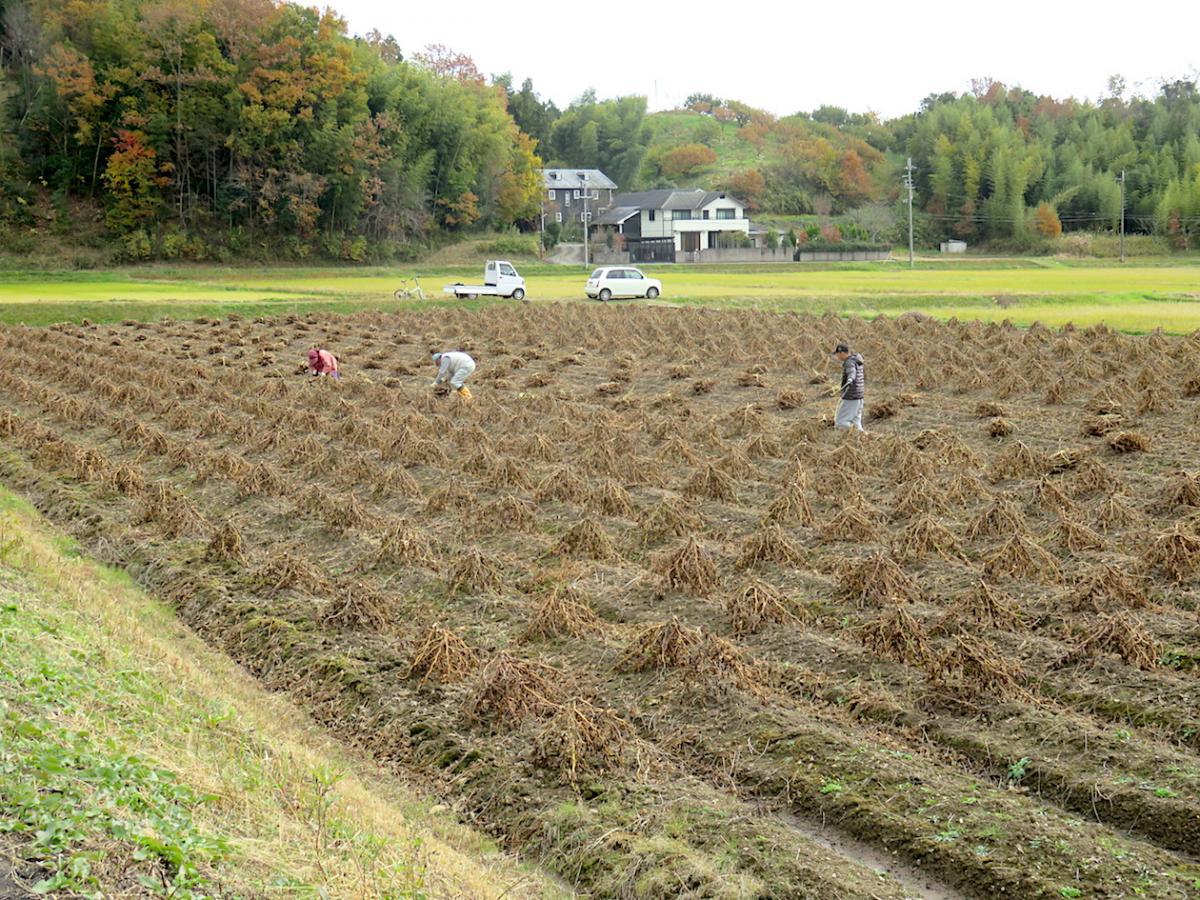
633 273
597 273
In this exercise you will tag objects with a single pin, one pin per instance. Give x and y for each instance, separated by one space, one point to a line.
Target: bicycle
404 292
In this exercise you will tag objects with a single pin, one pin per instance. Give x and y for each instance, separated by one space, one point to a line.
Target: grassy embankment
1138 296
133 757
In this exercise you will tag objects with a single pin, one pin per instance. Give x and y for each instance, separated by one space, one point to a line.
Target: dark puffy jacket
854 380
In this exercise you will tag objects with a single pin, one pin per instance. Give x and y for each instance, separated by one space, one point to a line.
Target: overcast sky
790 56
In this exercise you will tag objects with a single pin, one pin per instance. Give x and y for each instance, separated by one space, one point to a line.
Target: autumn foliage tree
133 182
447 63
747 186
1046 221
686 161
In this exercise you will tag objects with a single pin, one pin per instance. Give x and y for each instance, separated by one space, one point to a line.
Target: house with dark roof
565 189
655 225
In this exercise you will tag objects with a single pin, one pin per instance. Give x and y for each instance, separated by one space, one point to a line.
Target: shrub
136 245
174 244
510 245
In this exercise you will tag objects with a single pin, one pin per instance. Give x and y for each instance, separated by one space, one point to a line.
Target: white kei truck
500 279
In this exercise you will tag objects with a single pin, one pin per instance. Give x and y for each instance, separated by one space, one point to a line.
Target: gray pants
461 374
849 414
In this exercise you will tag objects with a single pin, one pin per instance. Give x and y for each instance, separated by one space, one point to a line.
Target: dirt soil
643 614
17 877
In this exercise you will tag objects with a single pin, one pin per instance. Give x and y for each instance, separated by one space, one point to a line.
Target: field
639 612
1137 297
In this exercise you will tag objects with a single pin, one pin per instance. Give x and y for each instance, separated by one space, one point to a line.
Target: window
577 195
581 217
506 269
551 192
706 214
727 213
595 194
650 214
677 214
617 273
558 217
566 199
597 274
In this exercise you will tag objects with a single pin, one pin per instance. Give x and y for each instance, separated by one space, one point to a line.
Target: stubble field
642 614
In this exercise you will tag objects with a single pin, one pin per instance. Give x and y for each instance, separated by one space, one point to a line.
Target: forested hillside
986 158
996 162
226 128
239 122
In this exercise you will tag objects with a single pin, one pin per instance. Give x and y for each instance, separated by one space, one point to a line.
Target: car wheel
518 294
652 293
471 296
605 295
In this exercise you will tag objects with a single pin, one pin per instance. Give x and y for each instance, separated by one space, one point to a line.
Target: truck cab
502 275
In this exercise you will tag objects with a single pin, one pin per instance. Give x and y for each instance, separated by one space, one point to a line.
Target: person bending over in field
454 368
322 362
853 389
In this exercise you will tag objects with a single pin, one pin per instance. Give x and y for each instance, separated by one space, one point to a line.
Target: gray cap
841 348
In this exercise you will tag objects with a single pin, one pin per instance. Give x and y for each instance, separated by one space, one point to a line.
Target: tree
533 115
686 161
133 182
749 187
441 60
620 132
385 45
1046 221
853 181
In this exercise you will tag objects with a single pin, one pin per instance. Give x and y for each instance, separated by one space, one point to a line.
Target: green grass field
1137 296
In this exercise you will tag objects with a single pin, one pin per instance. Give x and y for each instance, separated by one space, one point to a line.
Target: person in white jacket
454 368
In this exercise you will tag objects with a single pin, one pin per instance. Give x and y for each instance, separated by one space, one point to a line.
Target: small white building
954 246
656 224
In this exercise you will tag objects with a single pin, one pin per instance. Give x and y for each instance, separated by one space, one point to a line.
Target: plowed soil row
642 613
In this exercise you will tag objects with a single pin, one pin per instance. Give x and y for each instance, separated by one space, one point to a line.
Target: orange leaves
441 60
853 178
1045 220
686 160
748 187
461 211
133 179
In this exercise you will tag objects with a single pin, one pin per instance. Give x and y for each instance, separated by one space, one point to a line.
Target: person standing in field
454 368
322 362
853 389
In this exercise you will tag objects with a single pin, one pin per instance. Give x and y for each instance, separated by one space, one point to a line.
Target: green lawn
1137 296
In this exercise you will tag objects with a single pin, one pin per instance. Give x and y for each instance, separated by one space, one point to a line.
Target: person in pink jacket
322 362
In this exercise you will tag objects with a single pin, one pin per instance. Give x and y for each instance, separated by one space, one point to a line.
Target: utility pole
583 181
1122 215
908 182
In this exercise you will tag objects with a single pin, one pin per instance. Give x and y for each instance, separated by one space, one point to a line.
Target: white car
610 282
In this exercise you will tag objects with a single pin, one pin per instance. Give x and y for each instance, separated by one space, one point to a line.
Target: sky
790 56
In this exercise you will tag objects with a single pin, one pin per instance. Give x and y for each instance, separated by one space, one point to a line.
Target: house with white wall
655 225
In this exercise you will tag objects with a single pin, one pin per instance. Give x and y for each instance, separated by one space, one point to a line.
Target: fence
602 256
781 254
